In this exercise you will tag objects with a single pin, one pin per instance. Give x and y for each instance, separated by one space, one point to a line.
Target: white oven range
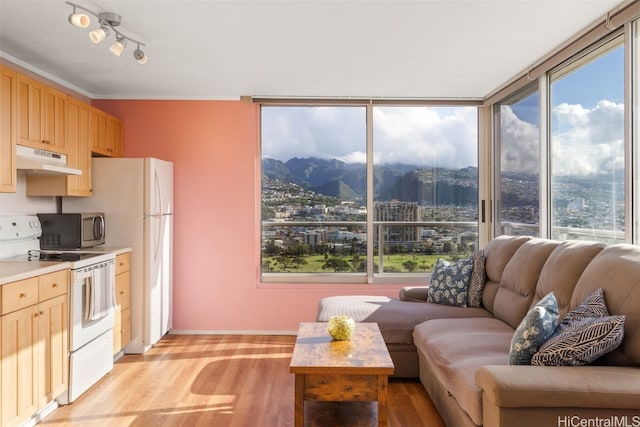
92 280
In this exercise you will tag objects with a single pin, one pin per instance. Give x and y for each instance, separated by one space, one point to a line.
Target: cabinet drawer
123 263
21 294
123 291
53 284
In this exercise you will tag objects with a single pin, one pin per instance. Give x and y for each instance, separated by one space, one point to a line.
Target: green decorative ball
341 327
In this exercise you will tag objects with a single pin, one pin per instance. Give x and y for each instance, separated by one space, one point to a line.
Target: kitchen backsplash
19 204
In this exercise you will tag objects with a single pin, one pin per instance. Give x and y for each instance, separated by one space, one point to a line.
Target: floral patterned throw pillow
450 282
534 330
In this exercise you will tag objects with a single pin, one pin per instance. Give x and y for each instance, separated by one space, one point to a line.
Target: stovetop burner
35 255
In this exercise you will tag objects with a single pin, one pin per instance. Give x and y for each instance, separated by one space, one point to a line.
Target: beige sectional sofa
461 354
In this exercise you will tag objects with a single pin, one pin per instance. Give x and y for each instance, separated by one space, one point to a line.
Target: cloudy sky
587 128
425 136
587 122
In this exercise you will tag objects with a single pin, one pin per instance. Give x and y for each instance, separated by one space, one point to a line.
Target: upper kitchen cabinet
107 134
41 115
7 130
78 156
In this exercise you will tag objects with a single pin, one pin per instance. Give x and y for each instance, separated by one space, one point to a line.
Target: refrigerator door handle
158 190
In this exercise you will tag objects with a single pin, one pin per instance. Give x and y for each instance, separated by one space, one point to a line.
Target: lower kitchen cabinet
122 326
34 345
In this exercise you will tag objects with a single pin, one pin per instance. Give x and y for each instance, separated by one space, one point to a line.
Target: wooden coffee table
328 370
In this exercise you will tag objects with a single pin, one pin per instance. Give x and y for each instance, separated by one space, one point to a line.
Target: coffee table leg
299 401
382 400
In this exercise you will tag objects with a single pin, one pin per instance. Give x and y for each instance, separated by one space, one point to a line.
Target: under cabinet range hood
43 162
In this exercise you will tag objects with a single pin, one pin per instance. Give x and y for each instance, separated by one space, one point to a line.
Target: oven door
83 331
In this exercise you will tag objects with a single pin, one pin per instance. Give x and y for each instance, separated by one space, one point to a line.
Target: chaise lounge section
461 354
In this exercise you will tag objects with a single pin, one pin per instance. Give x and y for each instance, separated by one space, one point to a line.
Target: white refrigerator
136 196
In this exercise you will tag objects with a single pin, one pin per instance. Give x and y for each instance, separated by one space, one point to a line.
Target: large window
518 152
314 189
351 199
425 186
587 147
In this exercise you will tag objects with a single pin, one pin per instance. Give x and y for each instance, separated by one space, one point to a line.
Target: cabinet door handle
23 295
54 285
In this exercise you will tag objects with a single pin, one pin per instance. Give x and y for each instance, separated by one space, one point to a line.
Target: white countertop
106 249
12 271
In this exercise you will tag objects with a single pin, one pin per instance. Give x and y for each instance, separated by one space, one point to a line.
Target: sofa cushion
456 348
497 255
519 279
413 293
581 341
396 319
562 270
616 269
450 282
478 278
536 327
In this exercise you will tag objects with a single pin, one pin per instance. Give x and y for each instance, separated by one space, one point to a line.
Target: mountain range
347 181
439 186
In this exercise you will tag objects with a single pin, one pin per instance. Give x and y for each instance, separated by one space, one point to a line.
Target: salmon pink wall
215 149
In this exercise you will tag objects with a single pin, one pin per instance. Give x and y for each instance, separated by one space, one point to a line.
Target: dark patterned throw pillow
478 278
450 282
593 306
581 342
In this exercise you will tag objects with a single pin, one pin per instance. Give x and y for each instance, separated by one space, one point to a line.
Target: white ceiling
214 49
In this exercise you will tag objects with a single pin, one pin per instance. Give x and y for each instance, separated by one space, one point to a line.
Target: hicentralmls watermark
612 421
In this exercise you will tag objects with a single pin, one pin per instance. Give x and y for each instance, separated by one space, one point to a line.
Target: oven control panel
19 227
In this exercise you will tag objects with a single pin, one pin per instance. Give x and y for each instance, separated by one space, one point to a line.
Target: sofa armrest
558 386
414 293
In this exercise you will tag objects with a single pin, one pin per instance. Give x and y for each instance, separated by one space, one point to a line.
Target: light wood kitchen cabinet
78 156
8 130
40 116
34 345
118 150
107 134
122 326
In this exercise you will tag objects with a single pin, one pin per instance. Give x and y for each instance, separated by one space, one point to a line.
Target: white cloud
322 132
584 141
520 143
588 141
445 137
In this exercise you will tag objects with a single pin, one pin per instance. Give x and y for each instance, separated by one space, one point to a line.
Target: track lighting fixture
79 19
140 56
118 46
108 22
98 34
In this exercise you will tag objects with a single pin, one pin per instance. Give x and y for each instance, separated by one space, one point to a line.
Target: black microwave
71 230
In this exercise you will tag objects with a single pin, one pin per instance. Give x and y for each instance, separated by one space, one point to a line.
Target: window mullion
370 209
545 157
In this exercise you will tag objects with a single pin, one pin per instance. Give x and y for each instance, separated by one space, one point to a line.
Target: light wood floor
224 380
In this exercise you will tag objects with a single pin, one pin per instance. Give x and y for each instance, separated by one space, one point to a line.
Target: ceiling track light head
99 34
79 19
108 21
140 56
118 46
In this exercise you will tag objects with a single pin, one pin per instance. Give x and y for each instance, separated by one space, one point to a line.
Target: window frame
629 38
370 276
